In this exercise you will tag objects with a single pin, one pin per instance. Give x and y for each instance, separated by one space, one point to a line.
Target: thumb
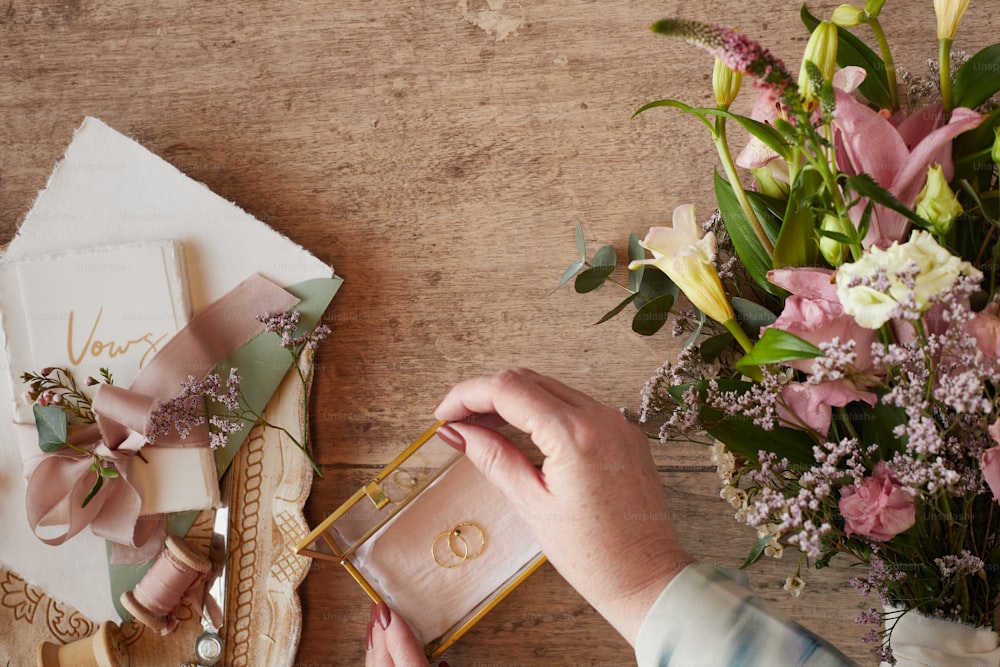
498 459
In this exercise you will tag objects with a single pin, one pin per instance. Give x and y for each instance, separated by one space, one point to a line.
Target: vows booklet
109 308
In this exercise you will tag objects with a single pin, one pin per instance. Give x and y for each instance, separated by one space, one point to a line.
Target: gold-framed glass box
432 538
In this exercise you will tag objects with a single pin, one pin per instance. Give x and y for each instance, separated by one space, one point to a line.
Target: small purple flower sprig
233 412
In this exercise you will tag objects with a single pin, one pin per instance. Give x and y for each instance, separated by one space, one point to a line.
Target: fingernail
443 664
382 615
451 437
368 634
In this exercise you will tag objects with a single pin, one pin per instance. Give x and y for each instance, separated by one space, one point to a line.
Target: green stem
890 65
944 75
722 148
737 331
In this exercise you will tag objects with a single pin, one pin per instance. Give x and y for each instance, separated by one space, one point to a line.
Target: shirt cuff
707 616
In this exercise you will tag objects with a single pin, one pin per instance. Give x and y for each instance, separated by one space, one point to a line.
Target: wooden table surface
438 153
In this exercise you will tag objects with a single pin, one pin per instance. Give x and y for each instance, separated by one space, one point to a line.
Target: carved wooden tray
264 619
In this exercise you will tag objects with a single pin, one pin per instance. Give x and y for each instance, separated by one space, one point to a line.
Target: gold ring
449 535
457 532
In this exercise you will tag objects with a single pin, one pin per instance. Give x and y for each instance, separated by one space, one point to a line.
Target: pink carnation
990 462
879 508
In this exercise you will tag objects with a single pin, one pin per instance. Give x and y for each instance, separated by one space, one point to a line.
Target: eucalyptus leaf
571 271
617 309
605 257
654 284
636 253
751 315
712 347
592 279
653 315
52 425
778 346
580 244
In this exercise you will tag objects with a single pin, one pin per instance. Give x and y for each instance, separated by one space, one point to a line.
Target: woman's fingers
391 641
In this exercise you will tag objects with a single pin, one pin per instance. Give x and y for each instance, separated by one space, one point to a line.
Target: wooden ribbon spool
105 648
155 599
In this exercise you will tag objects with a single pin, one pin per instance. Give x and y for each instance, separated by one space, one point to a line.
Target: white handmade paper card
108 190
103 312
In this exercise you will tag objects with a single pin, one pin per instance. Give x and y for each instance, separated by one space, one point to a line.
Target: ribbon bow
59 484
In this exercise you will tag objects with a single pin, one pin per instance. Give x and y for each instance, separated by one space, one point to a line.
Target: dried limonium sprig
231 411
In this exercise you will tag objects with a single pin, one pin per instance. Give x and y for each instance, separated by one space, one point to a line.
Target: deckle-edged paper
109 190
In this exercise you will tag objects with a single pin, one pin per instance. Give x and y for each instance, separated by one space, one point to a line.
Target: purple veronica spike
736 50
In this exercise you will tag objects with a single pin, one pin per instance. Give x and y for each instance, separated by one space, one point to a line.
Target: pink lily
896 157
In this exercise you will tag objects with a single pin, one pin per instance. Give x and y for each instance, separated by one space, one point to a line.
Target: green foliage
52 425
971 88
748 247
777 346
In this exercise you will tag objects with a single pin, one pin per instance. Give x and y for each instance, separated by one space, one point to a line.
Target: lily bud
725 84
767 184
847 16
821 51
996 146
949 13
937 203
873 7
833 251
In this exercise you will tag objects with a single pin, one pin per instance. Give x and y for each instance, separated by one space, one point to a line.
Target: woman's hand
391 643
596 506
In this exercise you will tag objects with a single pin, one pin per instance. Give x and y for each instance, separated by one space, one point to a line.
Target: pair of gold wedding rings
459 545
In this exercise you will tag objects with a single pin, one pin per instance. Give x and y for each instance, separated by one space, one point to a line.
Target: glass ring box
432 538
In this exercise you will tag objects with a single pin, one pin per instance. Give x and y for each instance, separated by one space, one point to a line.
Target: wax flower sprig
58 401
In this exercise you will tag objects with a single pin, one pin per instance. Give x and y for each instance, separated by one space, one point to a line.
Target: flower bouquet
843 350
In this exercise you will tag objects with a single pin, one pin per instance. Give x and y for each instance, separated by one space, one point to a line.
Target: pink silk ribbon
57 487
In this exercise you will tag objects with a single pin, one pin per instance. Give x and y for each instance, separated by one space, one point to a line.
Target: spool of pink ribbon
178 574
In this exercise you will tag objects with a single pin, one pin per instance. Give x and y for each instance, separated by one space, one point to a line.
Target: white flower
913 274
776 550
734 496
794 585
688 258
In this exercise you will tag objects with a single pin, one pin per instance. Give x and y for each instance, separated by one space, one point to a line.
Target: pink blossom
879 508
812 404
984 327
897 157
813 313
990 461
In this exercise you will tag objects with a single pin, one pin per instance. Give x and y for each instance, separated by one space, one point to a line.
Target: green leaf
739 434
676 105
592 279
756 552
571 271
797 244
866 186
752 316
654 284
98 483
109 472
712 347
853 51
978 79
653 315
777 346
617 309
636 253
580 244
51 423
605 257
753 255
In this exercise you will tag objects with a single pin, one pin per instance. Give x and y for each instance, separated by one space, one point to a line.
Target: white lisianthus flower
912 275
688 258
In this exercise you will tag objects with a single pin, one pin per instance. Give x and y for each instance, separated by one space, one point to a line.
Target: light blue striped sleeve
705 618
